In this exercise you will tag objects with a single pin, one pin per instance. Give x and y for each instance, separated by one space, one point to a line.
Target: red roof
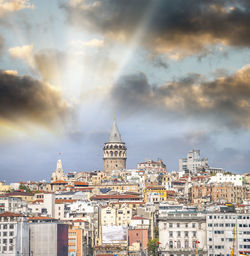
61 201
41 218
78 220
37 201
138 218
80 183
59 182
11 214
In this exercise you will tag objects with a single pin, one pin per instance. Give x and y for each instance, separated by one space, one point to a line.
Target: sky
175 74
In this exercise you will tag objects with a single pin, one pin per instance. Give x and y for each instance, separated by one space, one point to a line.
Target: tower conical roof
115 135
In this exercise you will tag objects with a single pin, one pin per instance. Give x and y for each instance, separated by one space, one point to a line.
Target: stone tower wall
115 156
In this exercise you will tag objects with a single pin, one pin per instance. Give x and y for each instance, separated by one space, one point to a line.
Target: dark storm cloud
24 99
180 26
225 100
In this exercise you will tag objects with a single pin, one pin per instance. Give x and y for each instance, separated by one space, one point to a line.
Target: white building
220 233
13 204
179 232
14 234
236 179
193 162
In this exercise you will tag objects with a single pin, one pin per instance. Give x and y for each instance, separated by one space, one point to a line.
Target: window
170 225
186 244
170 233
186 225
194 244
179 233
186 233
194 233
178 225
193 225
178 244
171 245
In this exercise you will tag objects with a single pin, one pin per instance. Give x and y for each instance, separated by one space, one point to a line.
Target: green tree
153 245
25 188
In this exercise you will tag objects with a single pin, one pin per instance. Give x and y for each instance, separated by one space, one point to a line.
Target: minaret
115 151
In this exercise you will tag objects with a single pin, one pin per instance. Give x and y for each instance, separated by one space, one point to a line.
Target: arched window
116 153
111 153
186 243
111 147
120 153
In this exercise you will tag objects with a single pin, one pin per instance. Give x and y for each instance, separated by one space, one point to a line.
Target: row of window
186 233
4 248
11 233
228 225
229 217
178 244
6 226
178 225
5 241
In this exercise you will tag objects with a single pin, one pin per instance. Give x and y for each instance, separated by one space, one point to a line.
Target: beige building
115 151
98 178
217 192
111 216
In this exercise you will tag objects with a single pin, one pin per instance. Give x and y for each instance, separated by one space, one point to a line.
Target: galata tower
115 151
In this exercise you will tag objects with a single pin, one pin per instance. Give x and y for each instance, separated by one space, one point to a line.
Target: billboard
114 234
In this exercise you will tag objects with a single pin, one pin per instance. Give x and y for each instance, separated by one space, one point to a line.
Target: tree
24 188
153 245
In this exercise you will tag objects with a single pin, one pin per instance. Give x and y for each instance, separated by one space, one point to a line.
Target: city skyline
175 74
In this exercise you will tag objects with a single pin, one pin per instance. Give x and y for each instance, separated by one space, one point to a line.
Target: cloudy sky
176 74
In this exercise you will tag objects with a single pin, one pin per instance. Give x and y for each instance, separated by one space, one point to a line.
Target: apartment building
116 217
218 192
236 179
179 232
14 234
193 162
223 228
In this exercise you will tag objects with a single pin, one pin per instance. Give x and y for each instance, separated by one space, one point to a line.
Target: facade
217 192
193 162
115 151
14 234
48 238
77 243
220 233
179 232
236 179
116 217
138 238
13 204
155 194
